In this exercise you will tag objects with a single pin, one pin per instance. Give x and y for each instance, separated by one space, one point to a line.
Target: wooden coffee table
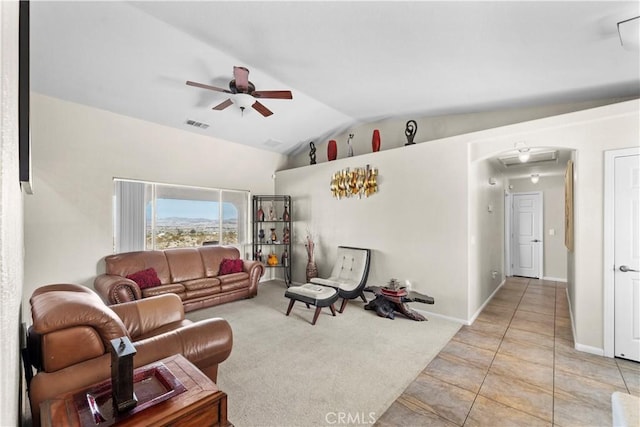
386 302
192 400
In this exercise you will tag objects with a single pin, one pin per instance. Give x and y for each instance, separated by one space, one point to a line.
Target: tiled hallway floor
515 365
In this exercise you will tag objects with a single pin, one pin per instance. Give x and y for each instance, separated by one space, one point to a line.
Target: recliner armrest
115 289
143 316
205 343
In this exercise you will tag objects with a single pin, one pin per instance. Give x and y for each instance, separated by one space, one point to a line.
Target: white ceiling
346 62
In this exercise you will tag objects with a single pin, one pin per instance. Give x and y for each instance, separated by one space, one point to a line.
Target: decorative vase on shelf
261 235
286 234
332 150
260 214
274 236
375 141
285 214
272 259
285 258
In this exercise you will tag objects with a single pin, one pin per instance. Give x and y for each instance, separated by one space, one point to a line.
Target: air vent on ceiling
536 157
197 124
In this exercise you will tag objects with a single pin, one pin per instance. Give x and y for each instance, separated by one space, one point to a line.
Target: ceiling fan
243 92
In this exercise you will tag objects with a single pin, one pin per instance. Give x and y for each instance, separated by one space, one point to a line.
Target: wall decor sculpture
356 182
312 153
349 146
410 131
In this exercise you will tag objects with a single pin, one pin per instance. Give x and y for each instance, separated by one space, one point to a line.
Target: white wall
486 233
416 224
78 150
11 226
555 253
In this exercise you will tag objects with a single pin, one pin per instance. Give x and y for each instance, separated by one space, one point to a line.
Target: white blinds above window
129 216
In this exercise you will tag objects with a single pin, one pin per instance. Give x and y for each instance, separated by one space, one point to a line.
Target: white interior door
627 257
526 235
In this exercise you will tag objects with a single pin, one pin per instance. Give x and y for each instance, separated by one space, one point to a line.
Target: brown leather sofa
190 273
69 341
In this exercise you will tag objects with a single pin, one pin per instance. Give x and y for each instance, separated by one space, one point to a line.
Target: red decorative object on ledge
375 140
332 150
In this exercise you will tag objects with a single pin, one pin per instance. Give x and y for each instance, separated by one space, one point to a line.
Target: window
159 216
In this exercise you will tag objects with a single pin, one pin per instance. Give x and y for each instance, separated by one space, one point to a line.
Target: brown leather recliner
69 340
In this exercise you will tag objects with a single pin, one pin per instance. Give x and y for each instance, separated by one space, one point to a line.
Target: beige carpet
344 370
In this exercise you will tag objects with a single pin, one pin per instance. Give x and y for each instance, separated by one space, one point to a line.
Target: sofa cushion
229 266
198 293
175 288
212 256
184 264
230 282
131 262
205 283
145 278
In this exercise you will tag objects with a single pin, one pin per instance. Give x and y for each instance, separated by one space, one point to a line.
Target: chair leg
307 305
363 297
333 310
316 314
291 302
343 305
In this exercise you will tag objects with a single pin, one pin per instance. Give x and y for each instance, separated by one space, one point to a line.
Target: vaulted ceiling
346 62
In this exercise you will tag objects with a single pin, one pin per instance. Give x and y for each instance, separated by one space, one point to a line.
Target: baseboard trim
555 279
478 311
428 314
589 349
581 347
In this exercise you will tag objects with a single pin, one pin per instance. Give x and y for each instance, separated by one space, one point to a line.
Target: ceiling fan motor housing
249 89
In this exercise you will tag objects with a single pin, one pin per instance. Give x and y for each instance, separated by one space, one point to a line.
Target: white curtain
129 216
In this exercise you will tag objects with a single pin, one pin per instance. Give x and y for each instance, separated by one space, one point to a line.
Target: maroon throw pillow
229 266
145 278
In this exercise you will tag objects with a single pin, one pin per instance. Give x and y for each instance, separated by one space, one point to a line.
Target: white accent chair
349 274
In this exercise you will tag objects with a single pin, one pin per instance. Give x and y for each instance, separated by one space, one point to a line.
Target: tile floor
515 366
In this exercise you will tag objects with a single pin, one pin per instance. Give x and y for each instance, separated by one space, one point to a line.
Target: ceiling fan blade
241 76
223 105
204 86
274 94
262 109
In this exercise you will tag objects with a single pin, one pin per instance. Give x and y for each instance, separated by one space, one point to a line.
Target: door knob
626 269
536 240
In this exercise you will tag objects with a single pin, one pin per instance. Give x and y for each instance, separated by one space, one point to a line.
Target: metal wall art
356 182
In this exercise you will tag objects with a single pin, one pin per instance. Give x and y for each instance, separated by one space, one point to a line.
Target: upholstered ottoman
310 294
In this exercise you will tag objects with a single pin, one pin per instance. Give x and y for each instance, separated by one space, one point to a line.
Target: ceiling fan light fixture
243 101
524 154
